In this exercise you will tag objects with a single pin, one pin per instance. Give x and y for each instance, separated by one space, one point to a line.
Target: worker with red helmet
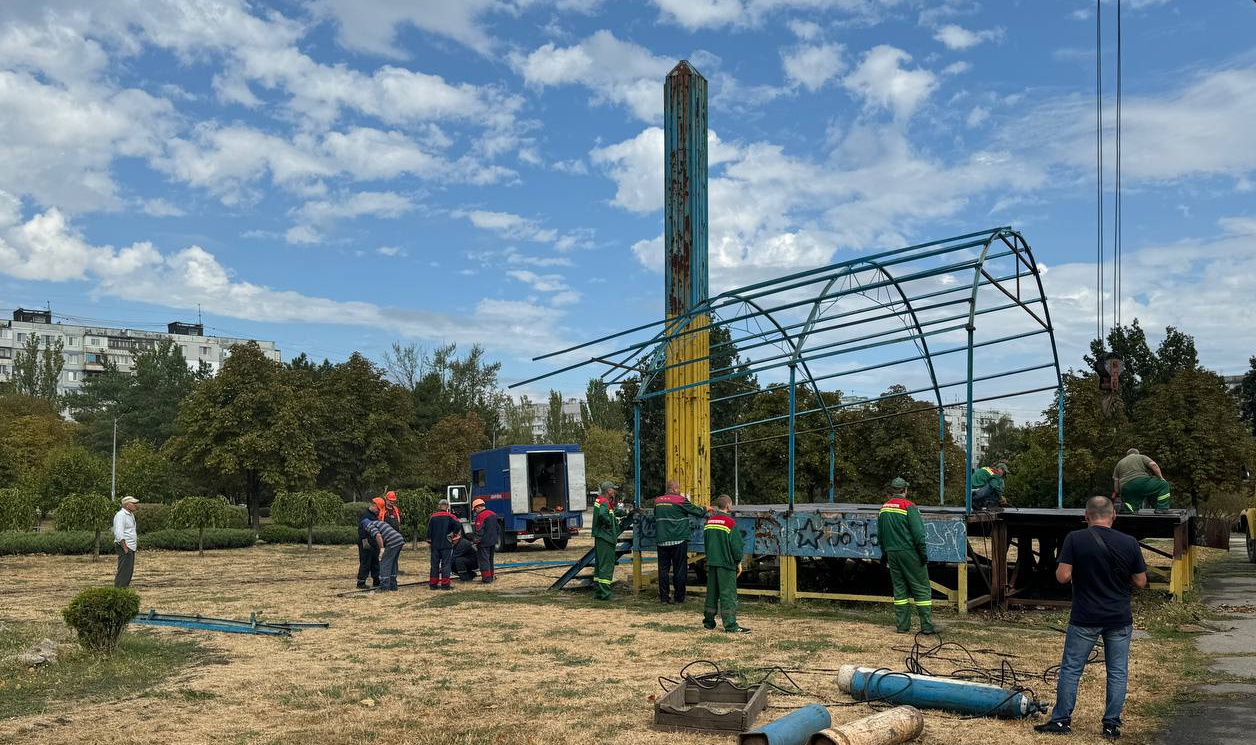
487 530
392 515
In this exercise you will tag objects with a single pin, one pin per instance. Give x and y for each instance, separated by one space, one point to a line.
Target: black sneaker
1111 732
737 630
1054 728
708 625
665 601
361 585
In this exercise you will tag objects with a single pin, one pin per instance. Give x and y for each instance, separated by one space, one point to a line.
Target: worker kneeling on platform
723 546
606 530
901 534
988 485
1102 565
1137 482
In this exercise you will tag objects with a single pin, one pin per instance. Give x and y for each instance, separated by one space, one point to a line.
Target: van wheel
556 544
504 542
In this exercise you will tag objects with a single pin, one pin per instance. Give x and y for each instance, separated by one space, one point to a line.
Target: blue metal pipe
1059 464
795 728
636 454
941 455
832 464
793 407
923 691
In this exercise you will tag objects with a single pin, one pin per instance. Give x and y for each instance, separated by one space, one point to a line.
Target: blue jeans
1078 642
388 568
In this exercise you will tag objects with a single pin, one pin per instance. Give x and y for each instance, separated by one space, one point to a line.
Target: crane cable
1117 248
1099 252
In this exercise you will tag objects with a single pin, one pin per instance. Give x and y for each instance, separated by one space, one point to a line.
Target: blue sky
342 174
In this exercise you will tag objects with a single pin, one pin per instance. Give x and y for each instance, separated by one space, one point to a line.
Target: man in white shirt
124 541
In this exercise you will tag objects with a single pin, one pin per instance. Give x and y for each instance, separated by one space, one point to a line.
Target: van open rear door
576 500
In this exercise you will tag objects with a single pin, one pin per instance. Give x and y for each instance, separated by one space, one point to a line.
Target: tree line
259 427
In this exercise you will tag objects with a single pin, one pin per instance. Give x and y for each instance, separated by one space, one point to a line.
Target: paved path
1227 714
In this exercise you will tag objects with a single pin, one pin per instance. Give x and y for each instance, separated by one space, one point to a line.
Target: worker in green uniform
606 530
1137 482
672 531
988 486
723 546
901 535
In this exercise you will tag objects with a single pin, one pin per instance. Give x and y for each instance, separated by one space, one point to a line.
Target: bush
200 514
416 506
350 512
300 509
151 517
85 512
326 535
74 542
17 509
100 614
235 516
187 540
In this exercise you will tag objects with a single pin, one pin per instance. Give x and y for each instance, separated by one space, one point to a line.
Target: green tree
445 450
144 403
451 385
1143 367
30 428
517 422
1191 426
364 439
37 371
1006 440
598 409
306 509
605 456
250 427
1247 396
70 469
145 473
86 512
560 427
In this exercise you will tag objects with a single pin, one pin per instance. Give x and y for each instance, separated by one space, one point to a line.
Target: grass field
507 664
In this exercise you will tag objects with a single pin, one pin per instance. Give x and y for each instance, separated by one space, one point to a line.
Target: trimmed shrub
235 516
325 535
306 509
74 542
350 512
199 513
416 506
17 509
92 512
100 614
151 517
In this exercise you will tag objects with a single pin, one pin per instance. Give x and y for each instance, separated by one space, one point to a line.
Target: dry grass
505 665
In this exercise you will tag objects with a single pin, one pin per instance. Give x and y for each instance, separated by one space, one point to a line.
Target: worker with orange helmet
392 515
487 530
368 556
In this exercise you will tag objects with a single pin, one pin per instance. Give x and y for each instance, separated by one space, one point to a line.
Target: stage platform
829 551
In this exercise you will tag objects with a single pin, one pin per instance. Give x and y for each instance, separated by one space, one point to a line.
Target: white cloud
508 225
615 71
812 66
977 116
957 37
699 14
392 251
372 26
159 207
47 248
805 30
315 216
883 82
551 287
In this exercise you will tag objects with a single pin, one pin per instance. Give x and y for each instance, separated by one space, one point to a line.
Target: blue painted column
832 464
941 456
1059 466
636 454
968 447
793 413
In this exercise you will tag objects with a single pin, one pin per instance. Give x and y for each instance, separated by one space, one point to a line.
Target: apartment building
87 349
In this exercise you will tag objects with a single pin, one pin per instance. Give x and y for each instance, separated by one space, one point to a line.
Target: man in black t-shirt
1102 564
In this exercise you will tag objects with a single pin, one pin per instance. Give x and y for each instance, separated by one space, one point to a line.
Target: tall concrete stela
685 277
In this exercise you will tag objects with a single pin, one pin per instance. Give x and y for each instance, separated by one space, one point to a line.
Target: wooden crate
721 708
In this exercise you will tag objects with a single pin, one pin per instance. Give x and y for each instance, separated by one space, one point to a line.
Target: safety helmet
391 496
477 503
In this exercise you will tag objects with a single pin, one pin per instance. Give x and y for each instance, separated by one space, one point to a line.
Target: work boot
927 626
1111 731
1054 727
361 585
708 622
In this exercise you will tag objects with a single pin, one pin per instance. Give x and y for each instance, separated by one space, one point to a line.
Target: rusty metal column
685 276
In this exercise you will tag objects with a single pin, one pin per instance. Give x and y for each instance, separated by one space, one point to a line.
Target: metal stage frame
966 313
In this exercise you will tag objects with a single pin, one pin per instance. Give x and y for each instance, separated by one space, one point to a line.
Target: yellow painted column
962 589
637 581
789 579
689 412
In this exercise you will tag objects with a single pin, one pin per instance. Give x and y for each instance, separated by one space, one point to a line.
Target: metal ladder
577 578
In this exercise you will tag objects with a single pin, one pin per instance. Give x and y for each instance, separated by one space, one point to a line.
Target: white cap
130 500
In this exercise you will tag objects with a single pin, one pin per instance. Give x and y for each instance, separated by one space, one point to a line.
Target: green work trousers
721 597
910 578
1146 491
603 568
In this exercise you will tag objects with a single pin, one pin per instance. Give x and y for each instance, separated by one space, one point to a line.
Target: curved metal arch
784 336
915 320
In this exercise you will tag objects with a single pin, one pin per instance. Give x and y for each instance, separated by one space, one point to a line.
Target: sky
339 175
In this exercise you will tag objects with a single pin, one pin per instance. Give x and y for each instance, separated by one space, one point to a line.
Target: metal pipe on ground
898 725
927 692
795 728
